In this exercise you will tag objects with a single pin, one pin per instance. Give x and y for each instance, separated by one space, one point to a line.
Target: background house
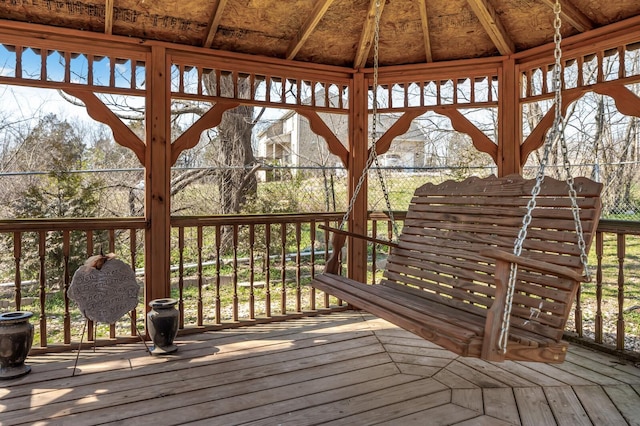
289 142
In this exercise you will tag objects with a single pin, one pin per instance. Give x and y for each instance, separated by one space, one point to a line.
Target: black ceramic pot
16 337
162 324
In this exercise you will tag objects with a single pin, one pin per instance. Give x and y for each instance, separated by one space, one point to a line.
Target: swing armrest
360 236
493 322
537 265
338 240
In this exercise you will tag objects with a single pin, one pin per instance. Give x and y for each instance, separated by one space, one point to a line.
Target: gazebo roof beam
492 24
305 31
422 5
366 37
216 17
572 15
108 16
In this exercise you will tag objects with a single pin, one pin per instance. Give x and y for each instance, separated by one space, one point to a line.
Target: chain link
556 136
373 155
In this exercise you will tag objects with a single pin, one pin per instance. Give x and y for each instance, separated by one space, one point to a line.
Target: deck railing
243 270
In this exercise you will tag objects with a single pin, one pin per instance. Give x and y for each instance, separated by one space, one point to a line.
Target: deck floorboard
341 369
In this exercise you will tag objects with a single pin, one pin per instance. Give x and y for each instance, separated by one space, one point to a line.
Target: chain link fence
120 193
315 189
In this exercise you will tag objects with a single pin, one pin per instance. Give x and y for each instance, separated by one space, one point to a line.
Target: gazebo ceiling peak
332 32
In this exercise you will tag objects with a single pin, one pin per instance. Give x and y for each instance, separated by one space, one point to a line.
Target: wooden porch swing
486 268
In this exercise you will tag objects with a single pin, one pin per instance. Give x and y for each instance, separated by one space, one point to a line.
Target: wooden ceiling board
456 32
401 39
607 12
183 22
336 44
264 27
529 22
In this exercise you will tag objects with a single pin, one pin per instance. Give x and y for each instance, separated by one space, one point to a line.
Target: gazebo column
357 159
157 178
509 121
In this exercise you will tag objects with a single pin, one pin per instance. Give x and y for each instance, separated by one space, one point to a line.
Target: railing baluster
90 325
326 257
43 64
621 249
599 254
200 320
42 237
298 270
283 267
17 255
312 260
267 272
252 300
217 296
235 272
112 249
181 276
374 250
66 250
133 253
18 72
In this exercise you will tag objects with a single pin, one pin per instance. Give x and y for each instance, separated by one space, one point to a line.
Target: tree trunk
235 153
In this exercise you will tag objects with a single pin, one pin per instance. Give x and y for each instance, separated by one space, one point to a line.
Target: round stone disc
106 294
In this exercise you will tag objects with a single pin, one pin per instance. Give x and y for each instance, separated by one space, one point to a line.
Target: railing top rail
71 224
256 219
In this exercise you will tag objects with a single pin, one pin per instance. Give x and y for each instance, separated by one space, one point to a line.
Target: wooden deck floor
347 368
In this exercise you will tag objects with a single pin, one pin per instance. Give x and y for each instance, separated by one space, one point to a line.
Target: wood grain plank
419 352
468 398
334 404
442 415
393 411
604 369
595 377
474 376
417 370
533 407
561 375
627 401
566 406
598 405
496 371
453 380
145 364
631 371
533 376
202 381
483 421
501 404
179 407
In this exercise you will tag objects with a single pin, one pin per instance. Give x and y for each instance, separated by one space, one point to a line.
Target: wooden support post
509 117
358 153
157 178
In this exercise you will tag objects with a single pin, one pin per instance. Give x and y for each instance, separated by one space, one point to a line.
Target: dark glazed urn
162 324
16 337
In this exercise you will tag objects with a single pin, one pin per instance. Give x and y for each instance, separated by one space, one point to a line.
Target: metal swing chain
557 134
373 155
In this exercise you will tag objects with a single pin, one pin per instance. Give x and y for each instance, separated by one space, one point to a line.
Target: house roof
332 32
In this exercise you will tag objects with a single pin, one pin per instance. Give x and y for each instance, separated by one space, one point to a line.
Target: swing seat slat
446 278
